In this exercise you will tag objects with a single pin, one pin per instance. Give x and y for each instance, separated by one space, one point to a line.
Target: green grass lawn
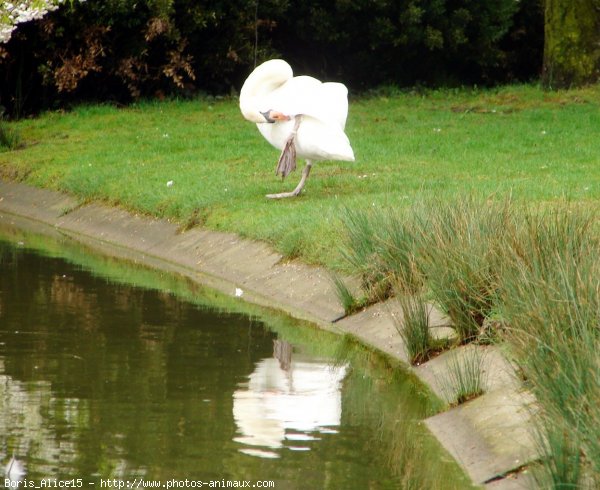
539 146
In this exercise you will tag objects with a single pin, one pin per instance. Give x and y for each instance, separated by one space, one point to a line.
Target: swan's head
254 96
272 116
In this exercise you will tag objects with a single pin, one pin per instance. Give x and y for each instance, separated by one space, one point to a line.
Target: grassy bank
538 146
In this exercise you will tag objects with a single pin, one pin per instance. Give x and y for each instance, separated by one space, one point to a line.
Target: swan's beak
267 116
272 116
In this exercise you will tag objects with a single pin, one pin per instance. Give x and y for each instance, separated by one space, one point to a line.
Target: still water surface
103 379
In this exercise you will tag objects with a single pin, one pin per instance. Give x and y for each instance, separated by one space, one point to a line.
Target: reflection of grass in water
135 274
412 452
393 401
384 400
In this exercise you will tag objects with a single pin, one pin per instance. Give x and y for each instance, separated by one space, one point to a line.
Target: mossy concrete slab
40 204
489 436
375 326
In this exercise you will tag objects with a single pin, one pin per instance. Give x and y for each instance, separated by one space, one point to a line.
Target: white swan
298 115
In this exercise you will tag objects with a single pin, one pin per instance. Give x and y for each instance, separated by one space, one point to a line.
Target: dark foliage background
121 50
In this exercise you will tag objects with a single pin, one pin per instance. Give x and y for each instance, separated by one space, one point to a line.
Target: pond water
109 370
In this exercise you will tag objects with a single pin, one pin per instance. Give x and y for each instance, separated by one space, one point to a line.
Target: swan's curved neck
261 82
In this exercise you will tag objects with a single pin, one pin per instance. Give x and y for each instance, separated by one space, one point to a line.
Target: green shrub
406 42
121 50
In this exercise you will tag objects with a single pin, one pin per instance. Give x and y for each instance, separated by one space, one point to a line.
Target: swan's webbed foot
298 188
281 195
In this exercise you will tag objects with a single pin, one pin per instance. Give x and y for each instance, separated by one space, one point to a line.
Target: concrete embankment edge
490 437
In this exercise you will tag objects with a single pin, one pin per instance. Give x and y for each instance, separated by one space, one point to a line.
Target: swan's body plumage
323 108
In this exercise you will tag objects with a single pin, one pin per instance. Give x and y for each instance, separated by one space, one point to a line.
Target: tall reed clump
380 246
538 272
9 138
551 300
384 247
360 252
466 377
346 297
462 259
414 328
400 241
448 250
400 248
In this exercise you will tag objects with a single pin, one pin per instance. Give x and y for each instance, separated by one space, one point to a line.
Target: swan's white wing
315 140
320 140
323 106
327 102
335 101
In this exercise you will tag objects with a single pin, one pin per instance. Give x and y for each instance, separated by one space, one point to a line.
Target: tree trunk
572 43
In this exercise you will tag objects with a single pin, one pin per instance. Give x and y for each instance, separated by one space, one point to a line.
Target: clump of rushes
362 251
466 377
551 300
414 327
399 241
454 248
561 457
9 138
348 300
382 247
291 245
534 275
462 259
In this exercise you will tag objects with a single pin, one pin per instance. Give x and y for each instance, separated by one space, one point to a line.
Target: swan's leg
298 188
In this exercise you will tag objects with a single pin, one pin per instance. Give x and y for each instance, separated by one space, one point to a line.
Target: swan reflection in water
286 401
